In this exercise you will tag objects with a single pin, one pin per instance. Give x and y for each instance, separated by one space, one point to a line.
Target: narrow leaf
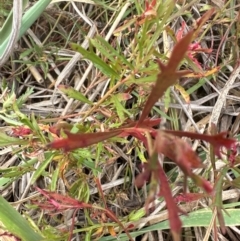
173 210
202 20
80 140
42 167
98 62
6 140
72 93
179 51
169 74
113 52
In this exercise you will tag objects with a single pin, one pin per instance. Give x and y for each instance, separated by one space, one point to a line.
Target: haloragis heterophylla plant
164 142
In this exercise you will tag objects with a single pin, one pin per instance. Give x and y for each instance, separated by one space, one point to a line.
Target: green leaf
14 172
98 62
72 93
147 79
195 87
23 98
42 167
4 181
37 129
24 119
55 179
136 215
6 140
15 223
10 121
108 51
167 99
200 218
91 165
119 107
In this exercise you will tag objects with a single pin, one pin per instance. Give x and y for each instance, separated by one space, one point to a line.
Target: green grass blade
200 218
32 15
6 29
15 223
28 19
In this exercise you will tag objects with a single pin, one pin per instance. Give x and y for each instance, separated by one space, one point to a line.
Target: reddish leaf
201 182
217 141
55 129
139 133
140 130
149 8
189 197
178 53
159 180
180 31
177 150
55 201
169 74
194 47
21 131
173 210
233 154
130 226
202 20
80 140
146 123
144 176
112 216
135 132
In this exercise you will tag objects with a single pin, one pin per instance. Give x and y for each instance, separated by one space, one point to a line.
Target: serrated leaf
168 74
